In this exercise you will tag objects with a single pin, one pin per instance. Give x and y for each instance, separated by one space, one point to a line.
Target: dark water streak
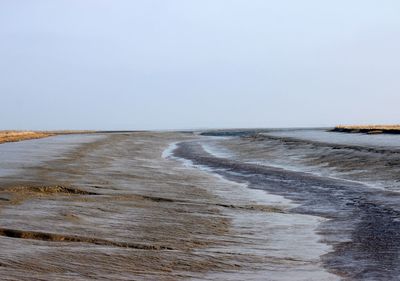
364 225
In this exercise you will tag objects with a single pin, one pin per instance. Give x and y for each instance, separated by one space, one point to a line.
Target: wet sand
120 207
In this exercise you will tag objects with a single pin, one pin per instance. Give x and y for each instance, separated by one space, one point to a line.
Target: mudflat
114 209
118 208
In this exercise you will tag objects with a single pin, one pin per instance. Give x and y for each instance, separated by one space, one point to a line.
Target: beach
237 205
111 207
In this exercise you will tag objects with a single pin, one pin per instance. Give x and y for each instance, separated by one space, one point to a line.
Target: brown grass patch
14 136
369 129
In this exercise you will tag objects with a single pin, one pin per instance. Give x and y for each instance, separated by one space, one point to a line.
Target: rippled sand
113 208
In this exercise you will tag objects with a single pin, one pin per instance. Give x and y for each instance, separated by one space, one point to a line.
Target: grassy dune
369 129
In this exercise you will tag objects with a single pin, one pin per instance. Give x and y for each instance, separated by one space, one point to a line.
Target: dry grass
369 129
13 136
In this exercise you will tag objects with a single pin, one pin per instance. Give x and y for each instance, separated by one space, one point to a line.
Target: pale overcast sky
172 64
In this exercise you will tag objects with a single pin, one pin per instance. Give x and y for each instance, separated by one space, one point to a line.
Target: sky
189 64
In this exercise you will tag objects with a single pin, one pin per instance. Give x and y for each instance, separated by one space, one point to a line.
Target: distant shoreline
372 129
16 136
